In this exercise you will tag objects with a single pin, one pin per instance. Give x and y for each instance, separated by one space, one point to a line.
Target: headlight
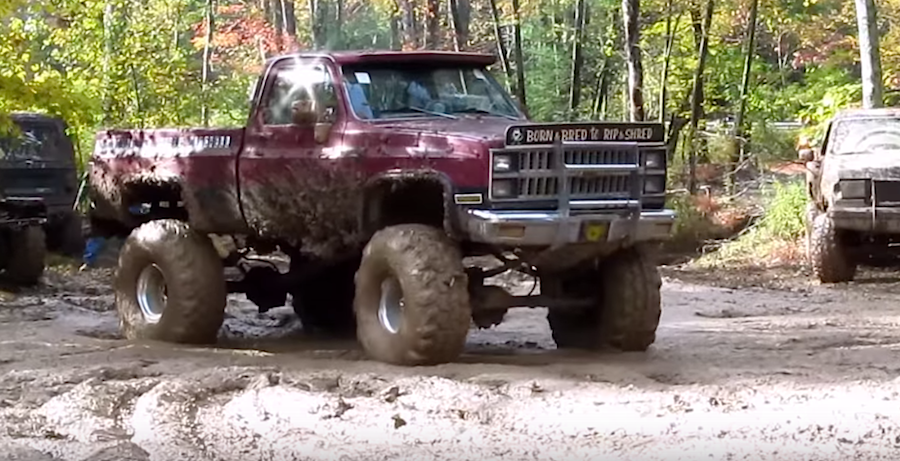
504 188
503 163
653 160
654 184
854 189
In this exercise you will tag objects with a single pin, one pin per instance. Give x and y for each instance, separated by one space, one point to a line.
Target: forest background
736 81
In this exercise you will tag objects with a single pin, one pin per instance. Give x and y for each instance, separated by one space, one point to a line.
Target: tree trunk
396 40
109 20
697 98
870 54
460 24
433 24
602 88
408 24
339 26
501 45
290 21
314 30
575 88
671 32
207 54
520 59
631 11
278 24
737 155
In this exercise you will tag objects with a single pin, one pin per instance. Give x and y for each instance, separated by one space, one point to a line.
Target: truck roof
393 57
865 113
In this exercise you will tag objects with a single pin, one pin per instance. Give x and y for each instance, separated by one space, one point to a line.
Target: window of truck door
296 82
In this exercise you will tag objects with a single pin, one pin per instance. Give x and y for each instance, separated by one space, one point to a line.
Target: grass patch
774 239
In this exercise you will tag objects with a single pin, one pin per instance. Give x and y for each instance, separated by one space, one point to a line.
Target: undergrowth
775 238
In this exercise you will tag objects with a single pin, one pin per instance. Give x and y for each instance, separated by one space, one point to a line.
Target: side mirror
806 155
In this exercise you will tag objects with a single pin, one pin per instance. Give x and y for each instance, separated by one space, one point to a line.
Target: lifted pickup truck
377 173
853 182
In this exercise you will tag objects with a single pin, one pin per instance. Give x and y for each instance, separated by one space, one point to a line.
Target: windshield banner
642 132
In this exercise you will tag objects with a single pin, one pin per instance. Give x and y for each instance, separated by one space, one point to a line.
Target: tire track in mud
248 414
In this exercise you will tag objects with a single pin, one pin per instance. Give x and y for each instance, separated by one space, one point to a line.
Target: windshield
864 135
378 93
33 141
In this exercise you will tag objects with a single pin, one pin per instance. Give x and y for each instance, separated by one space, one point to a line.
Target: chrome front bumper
533 228
867 219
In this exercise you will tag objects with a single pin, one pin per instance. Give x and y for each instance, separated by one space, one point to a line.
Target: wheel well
418 200
160 200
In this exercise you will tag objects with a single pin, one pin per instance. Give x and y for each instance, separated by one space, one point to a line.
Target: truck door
296 184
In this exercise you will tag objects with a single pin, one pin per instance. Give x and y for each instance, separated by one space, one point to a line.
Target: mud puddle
736 373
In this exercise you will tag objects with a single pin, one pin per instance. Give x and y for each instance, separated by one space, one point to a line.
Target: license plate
595 232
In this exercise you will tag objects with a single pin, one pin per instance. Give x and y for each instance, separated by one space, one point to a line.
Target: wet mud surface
743 369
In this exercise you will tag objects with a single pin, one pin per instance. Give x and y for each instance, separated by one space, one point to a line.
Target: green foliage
773 236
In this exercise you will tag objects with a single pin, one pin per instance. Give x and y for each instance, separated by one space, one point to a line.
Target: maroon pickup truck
376 173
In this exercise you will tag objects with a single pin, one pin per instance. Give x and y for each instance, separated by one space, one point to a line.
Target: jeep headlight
653 160
503 163
654 184
854 188
504 188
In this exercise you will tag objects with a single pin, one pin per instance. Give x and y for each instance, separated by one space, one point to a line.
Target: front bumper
551 228
882 220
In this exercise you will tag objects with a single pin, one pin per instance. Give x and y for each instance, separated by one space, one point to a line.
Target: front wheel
170 284
828 255
27 251
627 287
412 300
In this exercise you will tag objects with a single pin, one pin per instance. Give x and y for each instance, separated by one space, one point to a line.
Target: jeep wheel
412 300
170 284
827 254
27 251
66 236
628 311
324 303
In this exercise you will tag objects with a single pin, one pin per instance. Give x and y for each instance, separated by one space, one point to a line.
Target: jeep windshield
33 141
379 92
859 135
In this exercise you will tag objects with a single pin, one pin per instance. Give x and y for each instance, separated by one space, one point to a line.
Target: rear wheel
27 251
627 287
324 303
170 284
66 236
412 300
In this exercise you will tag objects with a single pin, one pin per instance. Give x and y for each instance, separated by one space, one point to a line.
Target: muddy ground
747 366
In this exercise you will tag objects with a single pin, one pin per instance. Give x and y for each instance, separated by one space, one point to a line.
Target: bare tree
433 24
520 59
697 96
577 61
631 10
671 32
870 55
207 55
501 44
737 154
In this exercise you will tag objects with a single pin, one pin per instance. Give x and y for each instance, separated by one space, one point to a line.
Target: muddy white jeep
853 182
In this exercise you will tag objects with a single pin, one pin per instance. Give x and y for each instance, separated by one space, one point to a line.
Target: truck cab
376 174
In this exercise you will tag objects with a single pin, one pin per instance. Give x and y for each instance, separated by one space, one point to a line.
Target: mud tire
194 279
629 310
827 254
436 312
66 237
324 303
27 253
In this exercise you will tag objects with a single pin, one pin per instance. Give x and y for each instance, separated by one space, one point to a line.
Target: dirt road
797 372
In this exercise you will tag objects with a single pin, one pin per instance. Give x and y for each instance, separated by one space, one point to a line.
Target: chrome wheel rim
151 293
390 306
